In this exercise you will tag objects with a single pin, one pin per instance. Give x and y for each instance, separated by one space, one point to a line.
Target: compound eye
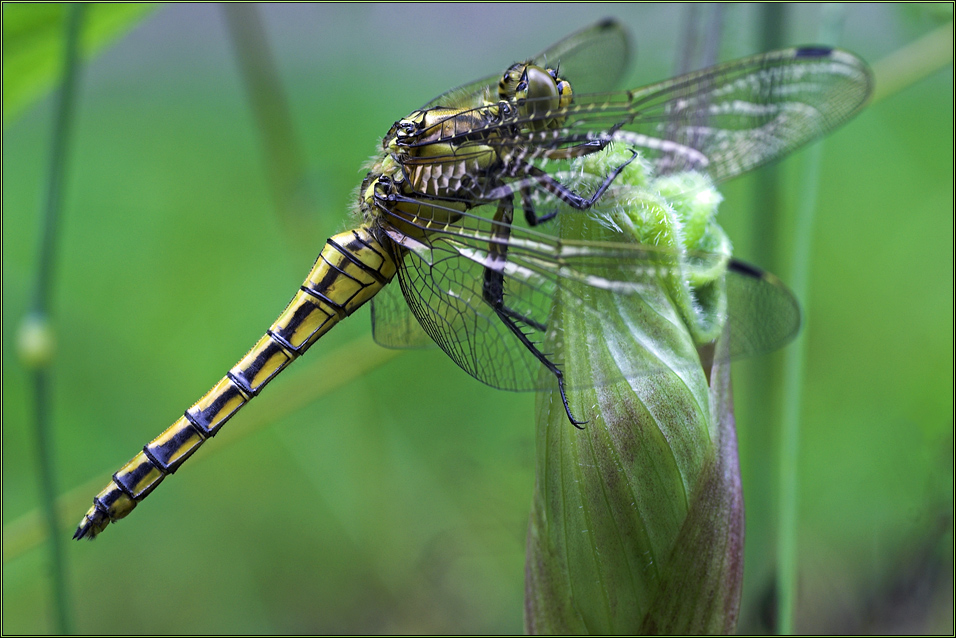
539 88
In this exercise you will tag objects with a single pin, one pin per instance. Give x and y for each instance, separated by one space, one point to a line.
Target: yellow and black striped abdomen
349 271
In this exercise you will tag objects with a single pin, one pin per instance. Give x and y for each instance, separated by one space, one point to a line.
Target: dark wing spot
744 268
814 52
607 23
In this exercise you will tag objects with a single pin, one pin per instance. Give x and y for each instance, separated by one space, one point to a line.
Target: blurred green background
399 501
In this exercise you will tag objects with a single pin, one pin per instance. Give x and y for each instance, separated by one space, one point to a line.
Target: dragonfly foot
567 408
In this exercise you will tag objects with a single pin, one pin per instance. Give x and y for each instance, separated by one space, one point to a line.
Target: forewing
733 117
722 121
592 59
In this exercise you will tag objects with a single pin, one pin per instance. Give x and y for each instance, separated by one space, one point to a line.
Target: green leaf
33 45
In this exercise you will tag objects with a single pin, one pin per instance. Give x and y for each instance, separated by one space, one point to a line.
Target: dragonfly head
537 91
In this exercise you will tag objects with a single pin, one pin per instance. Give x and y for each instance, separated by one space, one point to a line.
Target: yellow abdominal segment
352 267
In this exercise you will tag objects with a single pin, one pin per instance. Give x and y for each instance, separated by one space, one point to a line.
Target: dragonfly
436 211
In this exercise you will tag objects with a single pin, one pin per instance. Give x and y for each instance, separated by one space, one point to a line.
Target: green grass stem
41 378
913 62
281 155
831 24
761 402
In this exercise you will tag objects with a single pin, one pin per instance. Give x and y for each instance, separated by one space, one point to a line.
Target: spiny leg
553 186
493 292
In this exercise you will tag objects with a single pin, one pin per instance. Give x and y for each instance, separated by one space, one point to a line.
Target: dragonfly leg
527 204
517 316
493 292
505 314
578 150
567 195
553 186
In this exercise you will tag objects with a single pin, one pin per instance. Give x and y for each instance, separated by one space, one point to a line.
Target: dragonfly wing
393 324
762 313
733 117
592 59
600 281
441 277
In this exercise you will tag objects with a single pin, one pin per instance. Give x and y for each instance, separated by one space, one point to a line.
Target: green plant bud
36 342
637 519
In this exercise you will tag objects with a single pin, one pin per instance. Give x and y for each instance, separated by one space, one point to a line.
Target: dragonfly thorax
446 154
391 202
433 132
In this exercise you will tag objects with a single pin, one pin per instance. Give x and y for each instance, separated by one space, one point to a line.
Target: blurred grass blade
699 50
36 341
33 45
913 62
759 413
283 159
831 25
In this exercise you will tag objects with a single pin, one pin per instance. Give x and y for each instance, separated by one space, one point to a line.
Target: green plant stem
61 132
45 474
282 157
40 309
913 62
766 226
831 23
761 418
793 368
